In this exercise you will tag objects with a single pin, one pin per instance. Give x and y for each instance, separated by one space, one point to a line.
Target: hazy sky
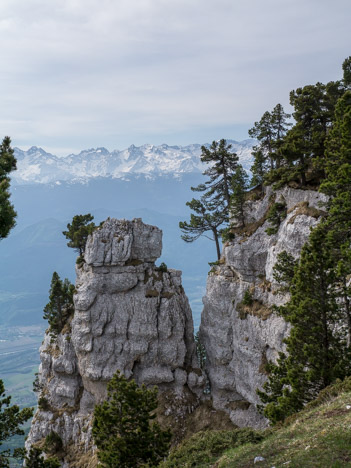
84 73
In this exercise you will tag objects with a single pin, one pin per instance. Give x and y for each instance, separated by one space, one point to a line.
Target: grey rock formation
129 315
239 340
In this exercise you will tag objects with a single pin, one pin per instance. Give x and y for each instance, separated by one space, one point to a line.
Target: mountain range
37 166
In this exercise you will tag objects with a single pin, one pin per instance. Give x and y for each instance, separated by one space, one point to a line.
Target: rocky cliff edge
129 315
240 339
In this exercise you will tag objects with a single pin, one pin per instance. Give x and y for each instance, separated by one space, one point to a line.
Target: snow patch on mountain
36 166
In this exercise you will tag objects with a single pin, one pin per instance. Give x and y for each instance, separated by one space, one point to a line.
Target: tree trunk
215 235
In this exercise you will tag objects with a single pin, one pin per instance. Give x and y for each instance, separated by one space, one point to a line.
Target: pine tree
122 427
223 164
270 131
35 459
7 211
11 419
304 147
258 169
316 348
78 232
346 66
239 184
210 215
60 305
319 345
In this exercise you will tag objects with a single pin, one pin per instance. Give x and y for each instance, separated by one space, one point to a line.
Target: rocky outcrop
129 315
240 339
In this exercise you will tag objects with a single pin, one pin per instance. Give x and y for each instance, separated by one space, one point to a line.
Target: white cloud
80 73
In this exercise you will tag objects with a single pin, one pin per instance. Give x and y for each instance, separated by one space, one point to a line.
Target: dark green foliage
7 211
316 347
43 403
270 132
283 271
35 459
163 267
247 298
212 210
210 215
53 443
60 305
11 419
206 446
78 232
313 112
239 184
298 155
259 168
275 215
37 386
200 351
319 345
346 66
122 427
227 234
223 164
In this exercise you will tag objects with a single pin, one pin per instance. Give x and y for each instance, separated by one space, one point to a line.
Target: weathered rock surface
129 315
239 340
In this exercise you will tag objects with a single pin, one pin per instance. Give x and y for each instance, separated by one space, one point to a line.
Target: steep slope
129 315
240 339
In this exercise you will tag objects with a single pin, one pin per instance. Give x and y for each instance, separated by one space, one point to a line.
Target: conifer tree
316 348
122 427
270 131
239 187
209 216
60 305
35 459
11 419
78 232
346 66
223 164
7 211
304 146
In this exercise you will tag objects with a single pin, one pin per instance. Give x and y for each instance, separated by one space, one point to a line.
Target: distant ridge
36 166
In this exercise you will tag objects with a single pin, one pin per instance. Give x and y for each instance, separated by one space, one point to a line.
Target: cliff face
239 339
129 315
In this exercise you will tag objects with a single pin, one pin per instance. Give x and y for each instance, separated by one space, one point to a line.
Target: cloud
80 73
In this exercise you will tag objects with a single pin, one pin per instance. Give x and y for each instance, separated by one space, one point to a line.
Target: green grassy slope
318 437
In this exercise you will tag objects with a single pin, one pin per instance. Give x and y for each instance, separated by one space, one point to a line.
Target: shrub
205 446
53 443
121 426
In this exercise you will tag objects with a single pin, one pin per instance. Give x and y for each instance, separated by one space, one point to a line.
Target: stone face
238 340
129 316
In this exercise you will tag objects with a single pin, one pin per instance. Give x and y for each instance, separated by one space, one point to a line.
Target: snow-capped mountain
36 166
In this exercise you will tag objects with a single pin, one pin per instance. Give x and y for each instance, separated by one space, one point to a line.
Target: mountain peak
37 166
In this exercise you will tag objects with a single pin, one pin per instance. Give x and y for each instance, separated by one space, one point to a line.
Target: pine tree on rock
223 164
239 185
78 232
269 131
7 165
209 217
60 305
122 428
316 348
11 420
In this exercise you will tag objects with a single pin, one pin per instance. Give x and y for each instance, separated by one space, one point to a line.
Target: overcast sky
85 73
